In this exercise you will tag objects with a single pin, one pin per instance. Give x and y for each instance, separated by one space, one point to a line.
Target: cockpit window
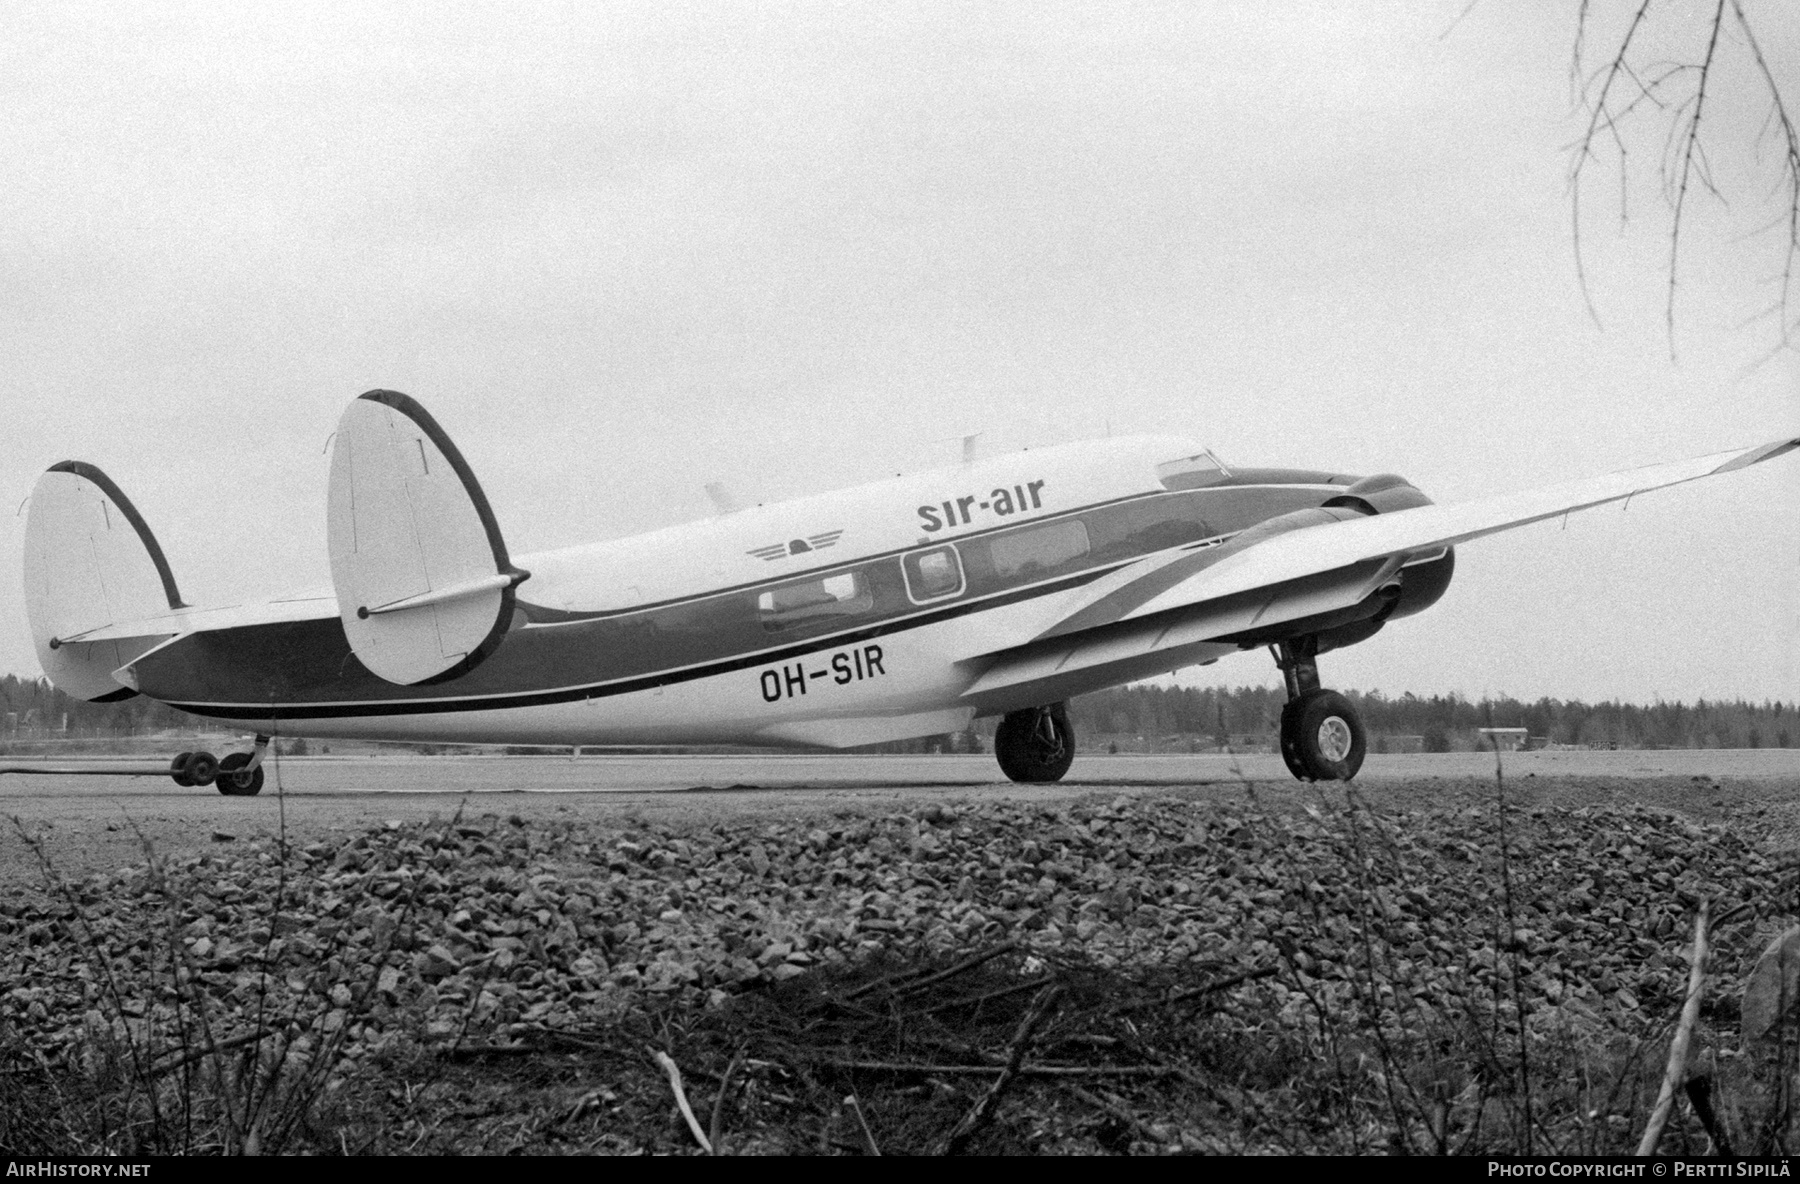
933 574
1192 472
841 595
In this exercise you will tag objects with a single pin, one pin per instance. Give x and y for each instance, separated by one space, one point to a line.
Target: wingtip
1754 456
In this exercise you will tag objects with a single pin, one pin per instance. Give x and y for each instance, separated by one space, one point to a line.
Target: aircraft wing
1173 609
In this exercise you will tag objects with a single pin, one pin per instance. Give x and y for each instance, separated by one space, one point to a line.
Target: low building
1505 739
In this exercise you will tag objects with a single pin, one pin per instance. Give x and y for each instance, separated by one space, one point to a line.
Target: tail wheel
202 767
1322 737
1035 745
234 780
178 768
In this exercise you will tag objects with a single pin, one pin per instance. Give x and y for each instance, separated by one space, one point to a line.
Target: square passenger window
841 595
1037 550
933 574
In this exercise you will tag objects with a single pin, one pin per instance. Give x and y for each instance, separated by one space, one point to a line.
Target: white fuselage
901 677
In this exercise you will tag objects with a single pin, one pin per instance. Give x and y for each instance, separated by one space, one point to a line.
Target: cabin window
1039 549
933 574
842 595
1152 524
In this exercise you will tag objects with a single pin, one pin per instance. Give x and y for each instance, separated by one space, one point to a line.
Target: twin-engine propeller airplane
899 609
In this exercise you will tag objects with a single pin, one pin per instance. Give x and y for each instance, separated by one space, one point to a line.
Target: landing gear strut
1322 736
1036 744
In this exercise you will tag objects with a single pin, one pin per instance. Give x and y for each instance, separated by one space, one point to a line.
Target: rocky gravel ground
525 970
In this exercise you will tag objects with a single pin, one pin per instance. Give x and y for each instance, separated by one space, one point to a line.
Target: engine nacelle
1413 589
1422 584
1268 528
1381 494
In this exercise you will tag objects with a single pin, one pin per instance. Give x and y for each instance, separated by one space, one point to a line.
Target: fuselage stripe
544 615
541 617
643 682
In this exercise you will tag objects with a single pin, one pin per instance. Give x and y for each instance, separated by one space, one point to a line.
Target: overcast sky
623 251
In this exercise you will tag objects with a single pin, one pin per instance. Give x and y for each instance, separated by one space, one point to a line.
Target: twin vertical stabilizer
424 585
91 563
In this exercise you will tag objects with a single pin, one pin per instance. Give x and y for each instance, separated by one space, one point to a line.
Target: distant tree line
32 708
1187 716
1443 723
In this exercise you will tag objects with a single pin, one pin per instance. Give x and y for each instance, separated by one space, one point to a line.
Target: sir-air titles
1002 503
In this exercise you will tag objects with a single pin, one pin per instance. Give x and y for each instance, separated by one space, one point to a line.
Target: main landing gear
239 774
1036 744
1322 736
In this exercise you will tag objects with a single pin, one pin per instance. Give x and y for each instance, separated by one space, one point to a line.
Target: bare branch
1599 116
1690 149
1467 9
1678 92
1581 20
1783 124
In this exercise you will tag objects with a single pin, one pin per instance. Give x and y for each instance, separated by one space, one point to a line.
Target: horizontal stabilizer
424 586
91 563
187 620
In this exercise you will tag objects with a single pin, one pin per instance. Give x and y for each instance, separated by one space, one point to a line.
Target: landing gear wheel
1322 737
234 781
1035 745
201 768
178 768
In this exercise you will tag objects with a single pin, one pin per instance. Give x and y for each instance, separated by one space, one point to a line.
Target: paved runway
406 773
97 822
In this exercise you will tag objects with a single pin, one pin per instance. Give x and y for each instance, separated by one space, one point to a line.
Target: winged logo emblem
812 542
